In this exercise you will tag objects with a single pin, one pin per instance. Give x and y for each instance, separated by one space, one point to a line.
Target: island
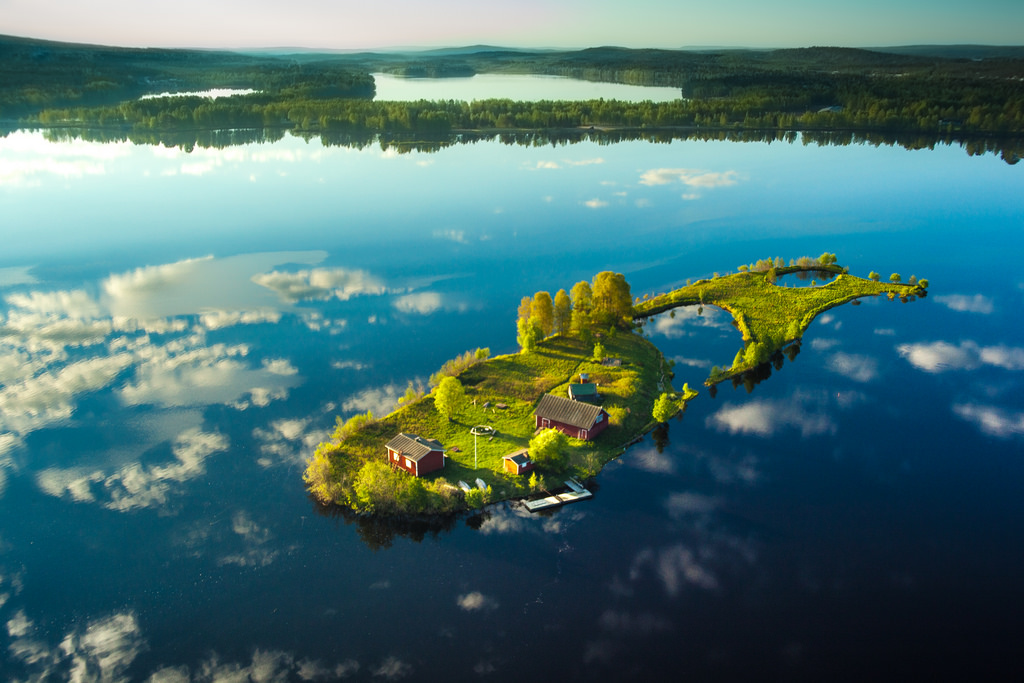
585 385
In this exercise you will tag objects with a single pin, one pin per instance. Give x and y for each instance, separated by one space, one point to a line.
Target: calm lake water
179 330
522 87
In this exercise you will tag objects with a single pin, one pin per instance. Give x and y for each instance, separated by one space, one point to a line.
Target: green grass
518 381
769 315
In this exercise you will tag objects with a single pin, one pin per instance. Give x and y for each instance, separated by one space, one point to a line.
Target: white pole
474 449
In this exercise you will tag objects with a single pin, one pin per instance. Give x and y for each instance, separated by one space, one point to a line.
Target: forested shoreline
978 103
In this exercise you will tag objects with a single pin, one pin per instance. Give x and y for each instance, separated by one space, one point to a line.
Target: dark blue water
180 330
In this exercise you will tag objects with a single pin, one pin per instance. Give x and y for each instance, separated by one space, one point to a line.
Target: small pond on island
179 330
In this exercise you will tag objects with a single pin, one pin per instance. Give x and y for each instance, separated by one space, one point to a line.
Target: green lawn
517 381
769 315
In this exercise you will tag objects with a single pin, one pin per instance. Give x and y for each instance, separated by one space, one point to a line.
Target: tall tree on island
543 310
449 397
563 312
613 302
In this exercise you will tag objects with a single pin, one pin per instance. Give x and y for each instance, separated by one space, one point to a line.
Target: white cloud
941 356
186 375
823 344
548 165
675 327
379 400
48 397
595 203
288 440
135 486
476 601
215 320
857 367
586 162
765 417
1006 357
458 236
504 521
966 304
682 504
650 460
255 540
105 650
689 177
692 362
17 275
992 420
315 671
101 652
24 162
423 303
392 669
320 284
679 566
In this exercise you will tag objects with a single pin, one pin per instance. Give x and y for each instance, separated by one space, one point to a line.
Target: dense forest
976 101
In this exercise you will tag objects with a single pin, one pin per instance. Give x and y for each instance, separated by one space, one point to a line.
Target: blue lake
179 330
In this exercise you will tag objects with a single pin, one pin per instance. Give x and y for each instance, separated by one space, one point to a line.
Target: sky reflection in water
179 330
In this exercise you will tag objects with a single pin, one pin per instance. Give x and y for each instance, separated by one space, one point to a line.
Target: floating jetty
576 492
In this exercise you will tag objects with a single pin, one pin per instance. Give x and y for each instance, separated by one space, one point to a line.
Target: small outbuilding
583 392
415 454
518 462
574 418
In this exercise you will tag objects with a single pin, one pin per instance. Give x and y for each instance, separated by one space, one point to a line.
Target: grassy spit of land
351 469
770 315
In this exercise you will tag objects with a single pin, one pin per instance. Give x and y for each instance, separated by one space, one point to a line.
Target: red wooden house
578 420
414 454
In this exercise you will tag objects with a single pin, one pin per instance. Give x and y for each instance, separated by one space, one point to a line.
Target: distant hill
959 51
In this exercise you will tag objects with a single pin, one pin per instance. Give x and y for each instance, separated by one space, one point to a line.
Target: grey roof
573 413
520 457
412 446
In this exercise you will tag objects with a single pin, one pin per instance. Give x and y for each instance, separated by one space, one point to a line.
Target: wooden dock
576 492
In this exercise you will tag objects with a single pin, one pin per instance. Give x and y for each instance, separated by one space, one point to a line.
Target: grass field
769 315
516 381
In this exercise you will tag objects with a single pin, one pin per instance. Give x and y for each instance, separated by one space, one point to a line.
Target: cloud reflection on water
940 356
765 417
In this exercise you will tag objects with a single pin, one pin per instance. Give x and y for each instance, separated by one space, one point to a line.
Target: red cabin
574 418
415 455
518 462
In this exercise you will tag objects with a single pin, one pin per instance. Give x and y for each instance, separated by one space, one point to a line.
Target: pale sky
351 24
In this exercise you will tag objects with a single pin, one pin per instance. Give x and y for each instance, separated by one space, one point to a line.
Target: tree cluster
604 301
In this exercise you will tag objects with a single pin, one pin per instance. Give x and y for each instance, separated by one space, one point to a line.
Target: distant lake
523 87
179 329
212 93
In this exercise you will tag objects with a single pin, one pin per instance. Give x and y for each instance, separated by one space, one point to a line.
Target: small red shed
518 462
575 418
414 454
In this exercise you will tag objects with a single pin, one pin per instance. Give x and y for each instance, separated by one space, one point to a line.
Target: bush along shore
580 354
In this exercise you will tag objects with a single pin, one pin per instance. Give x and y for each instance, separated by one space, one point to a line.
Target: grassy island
500 392
591 334
771 315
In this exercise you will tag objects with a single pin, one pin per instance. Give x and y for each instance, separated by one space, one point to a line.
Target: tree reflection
751 378
379 532
1009 149
660 436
